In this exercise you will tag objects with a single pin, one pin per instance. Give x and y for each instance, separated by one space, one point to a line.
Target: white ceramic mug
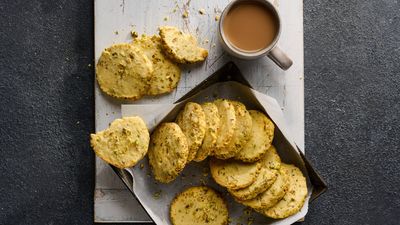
272 51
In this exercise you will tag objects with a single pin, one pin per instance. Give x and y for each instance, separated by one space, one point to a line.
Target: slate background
352 89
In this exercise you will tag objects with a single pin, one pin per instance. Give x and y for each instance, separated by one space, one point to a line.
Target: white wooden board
115 19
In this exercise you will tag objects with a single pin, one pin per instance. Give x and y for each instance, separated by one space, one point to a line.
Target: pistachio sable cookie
234 174
168 152
181 47
166 73
123 144
212 127
192 121
124 71
261 138
294 198
270 165
199 206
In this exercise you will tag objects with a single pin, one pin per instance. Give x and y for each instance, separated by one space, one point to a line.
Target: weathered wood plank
113 22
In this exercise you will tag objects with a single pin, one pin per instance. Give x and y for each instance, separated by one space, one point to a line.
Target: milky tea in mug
250 26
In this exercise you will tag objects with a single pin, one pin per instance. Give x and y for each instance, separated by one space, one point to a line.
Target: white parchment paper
156 197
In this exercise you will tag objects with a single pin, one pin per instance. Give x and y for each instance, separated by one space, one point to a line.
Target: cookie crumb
185 14
157 195
116 32
213 45
165 18
89 65
141 166
217 17
134 34
202 11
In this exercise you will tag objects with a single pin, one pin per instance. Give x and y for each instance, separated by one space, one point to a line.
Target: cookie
199 205
123 144
168 152
212 126
294 198
166 73
261 138
181 47
234 174
242 132
192 121
271 196
228 123
124 71
270 165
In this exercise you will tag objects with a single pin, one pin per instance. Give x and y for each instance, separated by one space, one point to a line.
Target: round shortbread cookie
192 121
271 196
124 143
271 164
234 174
212 126
168 152
228 123
166 73
242 132
124 71
294 198
181 47
199 206
261 138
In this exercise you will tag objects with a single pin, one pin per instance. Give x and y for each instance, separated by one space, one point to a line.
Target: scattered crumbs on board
134 34
185 14
206 41
157 194
202 11
217 17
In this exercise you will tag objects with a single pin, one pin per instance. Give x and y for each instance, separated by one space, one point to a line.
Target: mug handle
280 58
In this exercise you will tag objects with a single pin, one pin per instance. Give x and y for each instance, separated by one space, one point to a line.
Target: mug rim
238 51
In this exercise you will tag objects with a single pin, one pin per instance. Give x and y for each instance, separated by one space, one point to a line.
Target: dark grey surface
352 88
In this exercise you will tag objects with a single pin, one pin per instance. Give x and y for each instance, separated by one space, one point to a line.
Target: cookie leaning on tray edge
148 65
260 181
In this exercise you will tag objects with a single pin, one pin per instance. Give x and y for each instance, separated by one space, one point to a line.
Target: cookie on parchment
294 198
124 71
181 47
192 121
234 174
168 152
123 144
212 126
242 131
166 73
228 123
199 205
261 138
270 165
271 196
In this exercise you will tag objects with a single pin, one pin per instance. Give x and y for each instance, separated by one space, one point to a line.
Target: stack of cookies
148 65
243 159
